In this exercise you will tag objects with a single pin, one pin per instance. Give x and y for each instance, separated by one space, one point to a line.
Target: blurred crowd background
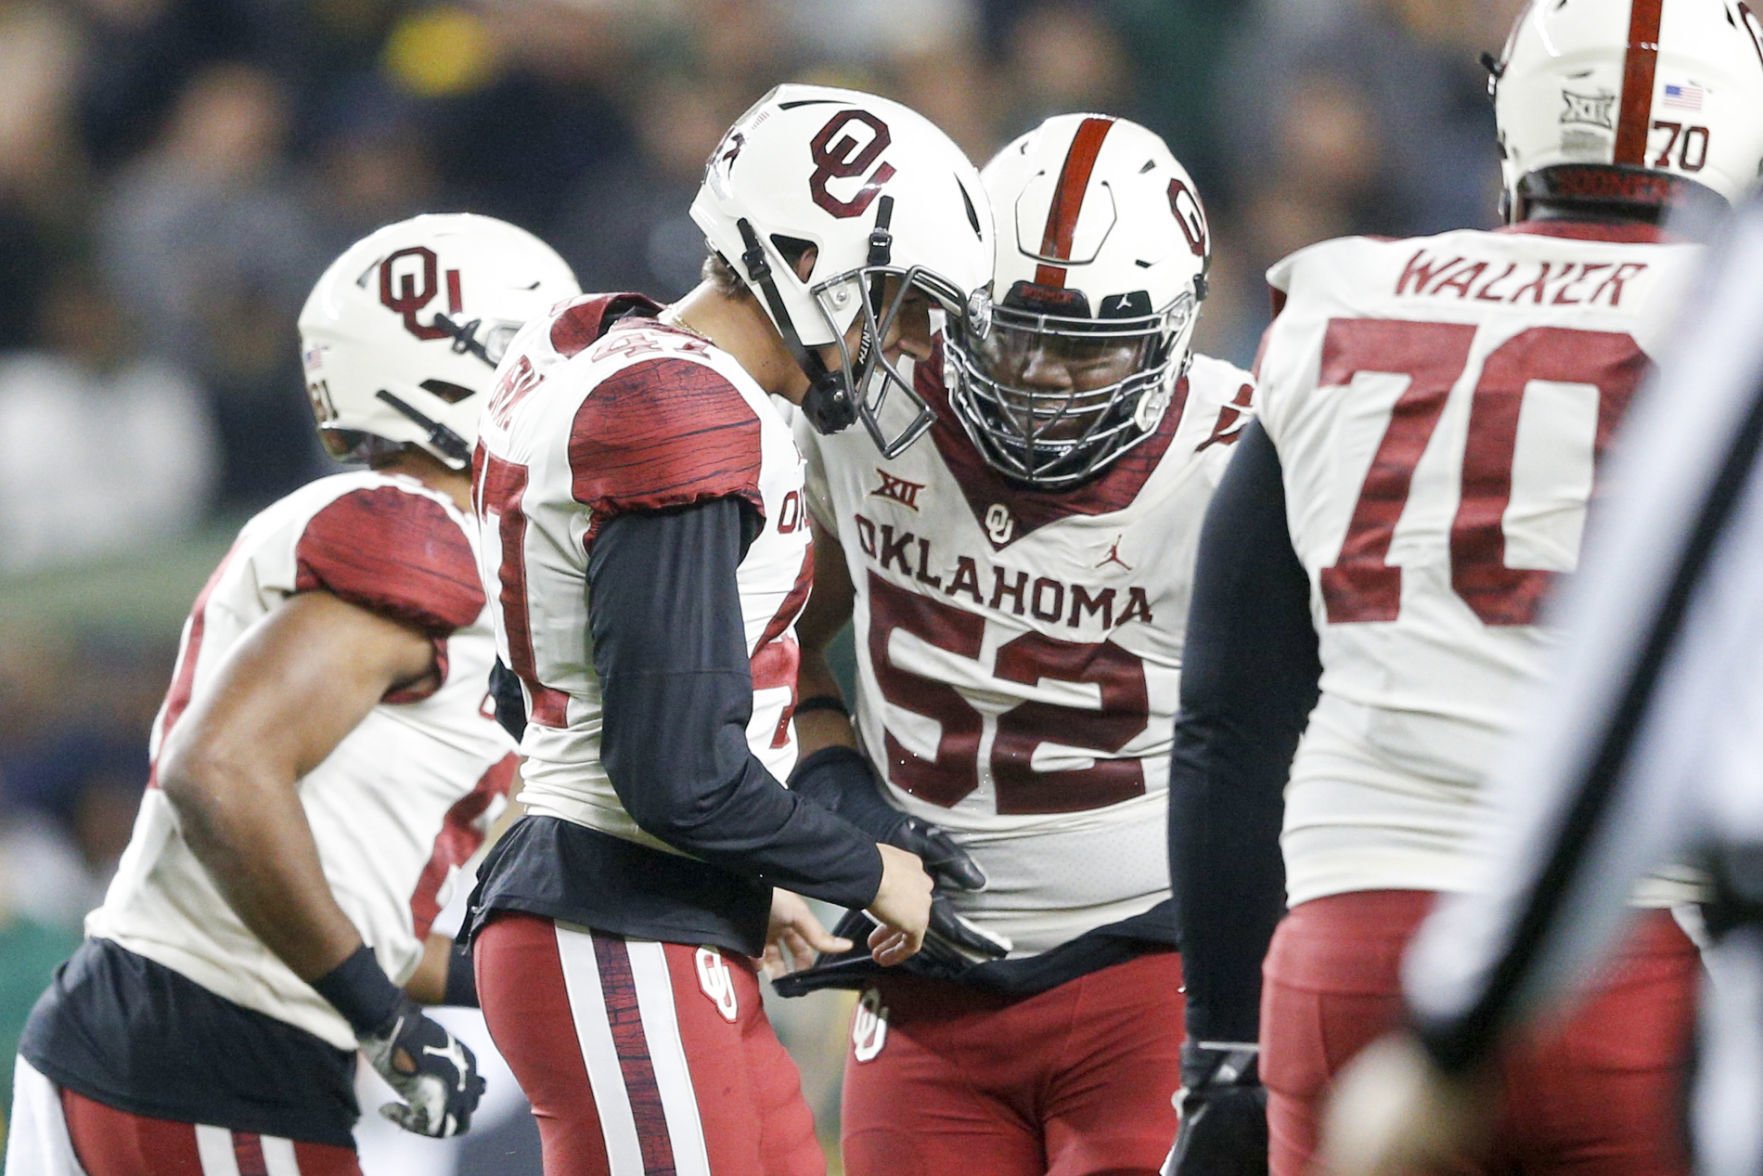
174 174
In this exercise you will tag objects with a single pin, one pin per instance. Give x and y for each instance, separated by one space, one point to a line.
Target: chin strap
440 436
828 403
465 340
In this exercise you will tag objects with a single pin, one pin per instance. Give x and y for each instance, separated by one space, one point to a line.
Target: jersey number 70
1362 585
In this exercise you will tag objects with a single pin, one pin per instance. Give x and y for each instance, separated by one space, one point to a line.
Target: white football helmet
1629 102
1101 266
401 336
878 192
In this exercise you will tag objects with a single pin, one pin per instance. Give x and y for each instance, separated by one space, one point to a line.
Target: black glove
432 1071
1223 1109
839 778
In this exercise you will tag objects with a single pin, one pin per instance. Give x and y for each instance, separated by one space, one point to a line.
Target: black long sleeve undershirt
671 655
1249 680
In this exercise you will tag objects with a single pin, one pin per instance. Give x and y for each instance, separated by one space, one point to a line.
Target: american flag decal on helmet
1685 97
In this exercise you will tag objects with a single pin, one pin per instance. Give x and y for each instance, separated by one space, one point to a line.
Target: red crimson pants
641 1056
112 1142
946 1080
1597 1093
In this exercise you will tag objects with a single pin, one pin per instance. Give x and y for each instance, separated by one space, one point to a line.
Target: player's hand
946 862
432 1071
1223 1109
949 866
902 907
794 935
839 778
1393 1112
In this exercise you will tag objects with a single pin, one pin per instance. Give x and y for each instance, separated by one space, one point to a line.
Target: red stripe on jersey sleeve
395 553
183 682
661 433
462 832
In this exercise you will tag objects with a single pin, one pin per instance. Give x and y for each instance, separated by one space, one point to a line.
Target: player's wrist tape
461 978
360 990
823 702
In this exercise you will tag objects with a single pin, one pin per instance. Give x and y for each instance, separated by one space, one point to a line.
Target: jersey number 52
952 771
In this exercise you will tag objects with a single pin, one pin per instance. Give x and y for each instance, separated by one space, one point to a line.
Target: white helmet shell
877 191
1654 88
1102 252
401 336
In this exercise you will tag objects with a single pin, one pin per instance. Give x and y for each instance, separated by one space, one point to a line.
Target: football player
1432 413
1019 588
323 761
647 544
1645 743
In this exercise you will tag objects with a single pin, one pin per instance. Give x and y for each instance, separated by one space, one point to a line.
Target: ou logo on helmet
847 158
409 281
1192 219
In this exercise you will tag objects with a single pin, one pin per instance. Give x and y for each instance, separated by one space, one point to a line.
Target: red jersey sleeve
660 433
394 553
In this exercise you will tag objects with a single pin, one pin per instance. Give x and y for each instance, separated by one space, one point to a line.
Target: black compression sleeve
671 655
1249 679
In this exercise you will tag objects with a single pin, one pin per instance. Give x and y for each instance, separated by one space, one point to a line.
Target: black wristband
461 978
823 702
360 989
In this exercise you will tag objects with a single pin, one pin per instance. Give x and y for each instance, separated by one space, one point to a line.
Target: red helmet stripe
1638 66
1068 197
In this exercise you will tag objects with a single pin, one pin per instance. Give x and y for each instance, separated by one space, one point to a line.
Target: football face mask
1051 399
898 311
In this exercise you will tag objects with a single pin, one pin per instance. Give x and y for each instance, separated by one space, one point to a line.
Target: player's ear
804 265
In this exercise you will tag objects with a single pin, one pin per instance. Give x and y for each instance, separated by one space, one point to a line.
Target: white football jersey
581 427
1019 652
400 803
1438 405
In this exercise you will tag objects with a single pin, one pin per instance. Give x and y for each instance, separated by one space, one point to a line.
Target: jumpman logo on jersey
1113 555
899 489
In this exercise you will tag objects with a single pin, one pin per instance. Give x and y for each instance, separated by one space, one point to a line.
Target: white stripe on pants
37 1141
220 1157
666 1052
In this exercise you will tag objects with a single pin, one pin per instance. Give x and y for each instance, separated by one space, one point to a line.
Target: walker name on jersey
1005 590
1514 283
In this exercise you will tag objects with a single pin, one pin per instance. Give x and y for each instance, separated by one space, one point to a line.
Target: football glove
1223 1109
432 1071
948 865
840 779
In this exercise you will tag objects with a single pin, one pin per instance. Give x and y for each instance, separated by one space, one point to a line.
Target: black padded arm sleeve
1249 679
671 655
